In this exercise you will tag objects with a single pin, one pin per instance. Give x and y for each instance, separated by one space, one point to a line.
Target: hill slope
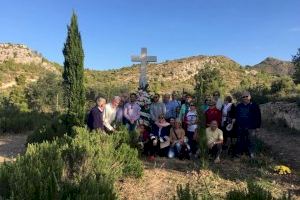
177 74
16 60
275 66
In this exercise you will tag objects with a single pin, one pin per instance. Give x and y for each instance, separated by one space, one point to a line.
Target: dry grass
162 177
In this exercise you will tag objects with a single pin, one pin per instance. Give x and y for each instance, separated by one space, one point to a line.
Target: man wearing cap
248 121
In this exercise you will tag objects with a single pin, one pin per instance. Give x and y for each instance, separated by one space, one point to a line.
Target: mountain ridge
177 74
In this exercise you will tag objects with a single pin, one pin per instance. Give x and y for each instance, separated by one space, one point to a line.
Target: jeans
174 150
246 141
131 127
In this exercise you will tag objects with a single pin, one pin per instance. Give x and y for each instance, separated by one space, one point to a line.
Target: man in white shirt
109 114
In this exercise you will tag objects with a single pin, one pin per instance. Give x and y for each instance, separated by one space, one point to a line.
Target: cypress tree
73 76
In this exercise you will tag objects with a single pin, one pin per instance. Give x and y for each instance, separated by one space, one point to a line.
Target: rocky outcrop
275 66
20 53
289 113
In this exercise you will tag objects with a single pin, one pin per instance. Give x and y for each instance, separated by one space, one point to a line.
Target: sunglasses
244 96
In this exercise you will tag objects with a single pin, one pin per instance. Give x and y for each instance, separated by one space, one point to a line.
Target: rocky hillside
275 66
19 60
177 74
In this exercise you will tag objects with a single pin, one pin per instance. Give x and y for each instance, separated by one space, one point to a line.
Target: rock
282 112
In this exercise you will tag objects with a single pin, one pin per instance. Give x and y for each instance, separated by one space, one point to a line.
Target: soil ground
162 176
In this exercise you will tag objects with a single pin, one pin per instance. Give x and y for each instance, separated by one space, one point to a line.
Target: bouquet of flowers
144 101
143 98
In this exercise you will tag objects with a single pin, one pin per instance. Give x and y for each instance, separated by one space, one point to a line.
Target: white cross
143 59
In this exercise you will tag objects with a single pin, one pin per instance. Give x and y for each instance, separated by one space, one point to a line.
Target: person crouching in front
214 137
160 138
179 146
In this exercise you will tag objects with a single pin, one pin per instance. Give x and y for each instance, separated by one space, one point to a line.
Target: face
193 107
161 119
174 96
116 102
166 98
141 128
213 125
124 97
172 121
156 98
177 125
216 95
246 98
101 104
189 99
132 98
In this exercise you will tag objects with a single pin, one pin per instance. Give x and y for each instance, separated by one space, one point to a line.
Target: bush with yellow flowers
281 169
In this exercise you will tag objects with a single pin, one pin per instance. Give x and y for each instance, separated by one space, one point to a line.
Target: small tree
207 80
73 76
296 62
43 98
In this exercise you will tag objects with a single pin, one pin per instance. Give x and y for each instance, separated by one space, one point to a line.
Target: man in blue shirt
248 121
170 106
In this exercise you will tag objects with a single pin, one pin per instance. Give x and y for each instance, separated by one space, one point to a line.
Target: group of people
173 131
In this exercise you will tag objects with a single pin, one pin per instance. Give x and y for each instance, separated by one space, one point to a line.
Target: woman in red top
213 114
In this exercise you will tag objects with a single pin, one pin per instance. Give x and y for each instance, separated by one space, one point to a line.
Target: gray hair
100 100
116 98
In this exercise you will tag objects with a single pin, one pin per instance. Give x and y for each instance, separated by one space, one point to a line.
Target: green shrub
283 85
89 188
131 165
253 192
186 193
32 176
84 166
13 120
49 130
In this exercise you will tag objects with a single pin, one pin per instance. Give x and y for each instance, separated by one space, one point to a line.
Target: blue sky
245 30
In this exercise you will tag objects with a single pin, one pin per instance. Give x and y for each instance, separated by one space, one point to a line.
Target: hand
161 139
181 141
210 146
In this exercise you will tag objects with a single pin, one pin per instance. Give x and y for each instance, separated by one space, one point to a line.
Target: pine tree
73 76
207 80
296 62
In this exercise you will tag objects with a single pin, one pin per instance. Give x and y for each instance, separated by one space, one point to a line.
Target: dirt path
285 146
11 146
